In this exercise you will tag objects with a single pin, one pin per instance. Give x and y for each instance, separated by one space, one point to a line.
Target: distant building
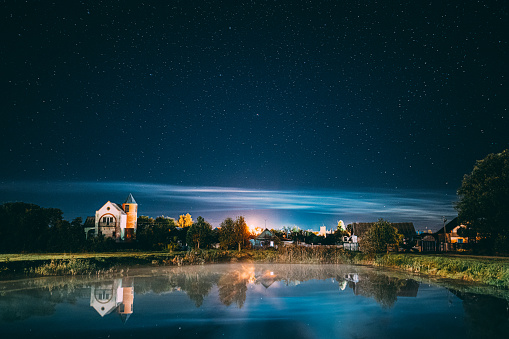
323 231
115 221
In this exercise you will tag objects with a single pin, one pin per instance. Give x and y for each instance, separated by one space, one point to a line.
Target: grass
486 270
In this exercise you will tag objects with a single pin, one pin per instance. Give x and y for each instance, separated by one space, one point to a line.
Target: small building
265 239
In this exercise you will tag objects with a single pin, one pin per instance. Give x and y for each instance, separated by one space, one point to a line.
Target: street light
445 235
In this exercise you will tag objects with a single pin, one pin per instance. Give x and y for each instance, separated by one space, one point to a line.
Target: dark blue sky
393 99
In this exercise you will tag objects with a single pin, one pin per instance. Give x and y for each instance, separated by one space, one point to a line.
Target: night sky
287 112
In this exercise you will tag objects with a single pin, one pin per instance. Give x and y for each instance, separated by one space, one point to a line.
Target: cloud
425 207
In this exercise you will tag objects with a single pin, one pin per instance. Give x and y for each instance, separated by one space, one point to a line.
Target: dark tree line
31 228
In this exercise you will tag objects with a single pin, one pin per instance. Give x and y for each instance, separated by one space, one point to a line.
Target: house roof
449 226
405 228
265 235
89 222
130 199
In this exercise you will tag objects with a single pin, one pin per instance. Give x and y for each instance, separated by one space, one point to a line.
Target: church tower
130 207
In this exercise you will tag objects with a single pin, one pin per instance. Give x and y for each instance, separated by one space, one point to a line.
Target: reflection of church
117 296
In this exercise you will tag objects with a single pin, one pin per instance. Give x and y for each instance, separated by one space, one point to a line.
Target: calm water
249 301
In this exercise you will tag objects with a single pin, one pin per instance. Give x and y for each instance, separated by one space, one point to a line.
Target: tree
380 237
226 234
25 227
185 220
155 234
341 231
199 233
484 200
241 232
233 233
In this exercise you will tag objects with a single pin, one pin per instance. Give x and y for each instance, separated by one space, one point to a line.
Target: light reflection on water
248 300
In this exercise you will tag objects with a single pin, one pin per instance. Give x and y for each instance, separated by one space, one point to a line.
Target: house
455 236
114 221
265 239
455 233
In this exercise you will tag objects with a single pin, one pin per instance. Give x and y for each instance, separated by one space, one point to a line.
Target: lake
251 301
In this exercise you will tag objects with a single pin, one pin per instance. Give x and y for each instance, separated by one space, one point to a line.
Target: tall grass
491 272
314 255
469 269
64 267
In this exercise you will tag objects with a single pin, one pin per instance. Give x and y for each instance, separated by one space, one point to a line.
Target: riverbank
486 270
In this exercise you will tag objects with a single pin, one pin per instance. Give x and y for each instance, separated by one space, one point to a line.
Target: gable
111 208
265 235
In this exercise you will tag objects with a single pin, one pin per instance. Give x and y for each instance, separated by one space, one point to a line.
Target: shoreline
491 271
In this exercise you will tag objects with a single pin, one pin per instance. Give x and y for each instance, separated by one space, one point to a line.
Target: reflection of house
266 279
115 221
117 296
265 239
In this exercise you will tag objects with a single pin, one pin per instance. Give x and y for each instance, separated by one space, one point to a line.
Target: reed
484 270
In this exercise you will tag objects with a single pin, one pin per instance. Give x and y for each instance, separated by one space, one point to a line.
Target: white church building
115 221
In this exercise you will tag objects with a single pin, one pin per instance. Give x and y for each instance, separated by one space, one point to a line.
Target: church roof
118 207
89 222
130 199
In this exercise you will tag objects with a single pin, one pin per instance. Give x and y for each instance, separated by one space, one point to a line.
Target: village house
114 221
451 237
265 239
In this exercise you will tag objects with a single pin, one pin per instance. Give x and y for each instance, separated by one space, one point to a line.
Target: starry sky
291 112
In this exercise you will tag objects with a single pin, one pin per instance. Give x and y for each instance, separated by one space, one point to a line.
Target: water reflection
383 289
260 293
117 296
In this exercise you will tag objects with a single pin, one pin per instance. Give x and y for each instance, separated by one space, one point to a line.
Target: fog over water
252 301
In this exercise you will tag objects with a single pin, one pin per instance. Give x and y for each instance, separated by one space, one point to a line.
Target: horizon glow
307 209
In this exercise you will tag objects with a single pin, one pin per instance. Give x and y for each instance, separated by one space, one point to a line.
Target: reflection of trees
384 289
33 302
233 287
196 284
485 316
